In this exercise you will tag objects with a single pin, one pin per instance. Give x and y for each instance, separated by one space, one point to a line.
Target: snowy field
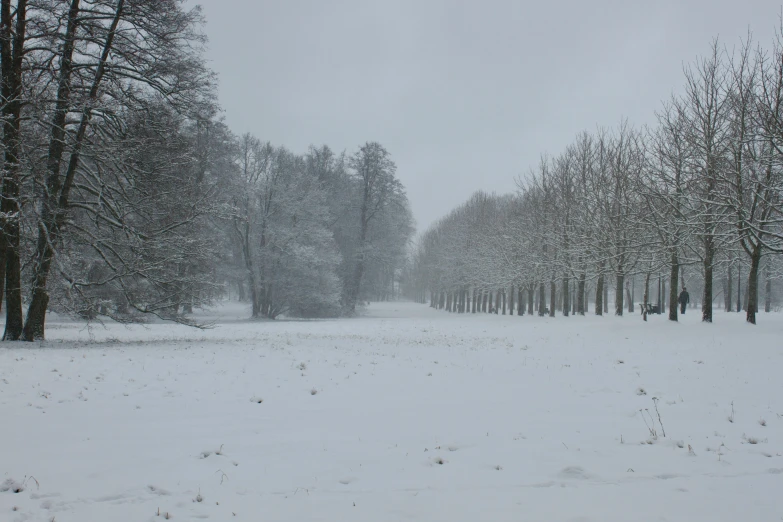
404 414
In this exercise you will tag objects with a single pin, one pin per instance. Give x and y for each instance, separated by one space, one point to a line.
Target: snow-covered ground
404 414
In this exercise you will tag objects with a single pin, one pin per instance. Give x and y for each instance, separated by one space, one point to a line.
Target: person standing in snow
684 299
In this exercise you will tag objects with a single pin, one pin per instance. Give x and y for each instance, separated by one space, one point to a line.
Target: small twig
655 401
222 475
652 431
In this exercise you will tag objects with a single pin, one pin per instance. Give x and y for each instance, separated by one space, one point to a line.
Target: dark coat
684 298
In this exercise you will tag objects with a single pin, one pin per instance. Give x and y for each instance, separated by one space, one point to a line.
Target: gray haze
465 95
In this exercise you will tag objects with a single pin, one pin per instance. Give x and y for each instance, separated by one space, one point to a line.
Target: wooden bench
651 309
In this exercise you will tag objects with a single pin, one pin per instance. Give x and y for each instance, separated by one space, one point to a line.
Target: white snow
404 414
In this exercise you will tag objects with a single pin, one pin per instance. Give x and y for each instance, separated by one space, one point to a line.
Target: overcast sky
465 95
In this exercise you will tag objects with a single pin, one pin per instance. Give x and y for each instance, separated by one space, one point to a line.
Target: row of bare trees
700 193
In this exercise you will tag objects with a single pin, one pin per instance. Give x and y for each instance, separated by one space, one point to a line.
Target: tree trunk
629 298
674 284
753 285
739 289
521 300
511 300
619 307
11 57
706 303
530 298
552 297
599 296
619 302
542 299
503 299
646 295
566 297
586 298
730 285
580 298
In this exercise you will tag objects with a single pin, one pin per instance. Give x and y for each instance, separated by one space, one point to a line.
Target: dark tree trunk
753 285
11 59
552 297
606 298
511 300
530 297
542 299
503 299
706 303
619 307
674 284
726 293
629 297
646 295
580 298
521 300
566 297
730 287
497 302
599 296
739 289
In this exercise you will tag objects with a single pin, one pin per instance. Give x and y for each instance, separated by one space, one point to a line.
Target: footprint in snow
575 473
158 491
